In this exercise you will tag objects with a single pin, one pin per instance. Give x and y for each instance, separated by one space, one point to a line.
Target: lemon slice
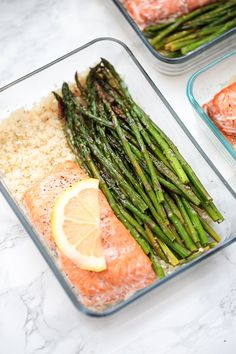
76 225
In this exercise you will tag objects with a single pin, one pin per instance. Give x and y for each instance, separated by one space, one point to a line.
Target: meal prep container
202 87
30 88
201 56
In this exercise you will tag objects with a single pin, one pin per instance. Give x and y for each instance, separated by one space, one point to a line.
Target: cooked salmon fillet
222 111
128 268
146 12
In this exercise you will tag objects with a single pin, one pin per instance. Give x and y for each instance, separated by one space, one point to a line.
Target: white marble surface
194 314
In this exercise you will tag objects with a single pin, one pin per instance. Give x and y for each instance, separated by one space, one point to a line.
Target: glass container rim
200 110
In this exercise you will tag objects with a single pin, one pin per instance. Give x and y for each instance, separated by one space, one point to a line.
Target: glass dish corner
218 74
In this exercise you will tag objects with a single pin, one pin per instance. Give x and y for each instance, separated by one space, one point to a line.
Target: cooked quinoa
31 143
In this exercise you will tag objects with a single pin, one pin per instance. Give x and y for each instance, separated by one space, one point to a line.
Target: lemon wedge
76 227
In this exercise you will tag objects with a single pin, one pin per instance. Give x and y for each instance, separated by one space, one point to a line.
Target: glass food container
201 88
196 58
32 87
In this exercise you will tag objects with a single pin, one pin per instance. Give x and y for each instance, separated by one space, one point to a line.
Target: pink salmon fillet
128 268
222 111
146 12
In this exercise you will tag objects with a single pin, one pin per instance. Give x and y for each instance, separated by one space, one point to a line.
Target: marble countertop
195 313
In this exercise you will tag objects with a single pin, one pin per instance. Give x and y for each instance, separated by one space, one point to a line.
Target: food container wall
199 57
201 88
31 88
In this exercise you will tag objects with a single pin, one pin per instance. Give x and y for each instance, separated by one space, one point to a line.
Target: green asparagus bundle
147 182
189 32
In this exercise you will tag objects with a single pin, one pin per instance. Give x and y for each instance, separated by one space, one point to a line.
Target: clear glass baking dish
30 88
201 88
198 57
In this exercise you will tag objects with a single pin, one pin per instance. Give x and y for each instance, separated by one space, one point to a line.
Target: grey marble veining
194 314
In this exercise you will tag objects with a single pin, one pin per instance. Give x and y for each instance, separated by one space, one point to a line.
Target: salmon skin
222 111
147 12
128 268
